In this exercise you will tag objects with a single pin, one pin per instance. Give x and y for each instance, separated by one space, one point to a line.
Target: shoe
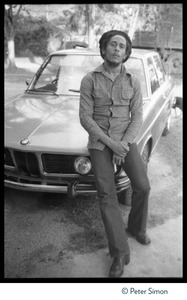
142 239
117 267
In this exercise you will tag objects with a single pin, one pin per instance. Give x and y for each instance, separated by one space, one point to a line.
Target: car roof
137 52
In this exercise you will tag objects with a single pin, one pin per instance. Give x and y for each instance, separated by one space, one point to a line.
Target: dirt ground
47 236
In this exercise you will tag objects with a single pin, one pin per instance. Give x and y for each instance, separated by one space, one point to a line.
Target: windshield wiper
39 90
72 90
42 90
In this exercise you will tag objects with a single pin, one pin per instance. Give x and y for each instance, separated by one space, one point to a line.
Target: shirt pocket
100 98
99 93
126 96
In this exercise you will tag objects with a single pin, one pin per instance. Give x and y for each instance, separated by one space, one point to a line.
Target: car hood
48 122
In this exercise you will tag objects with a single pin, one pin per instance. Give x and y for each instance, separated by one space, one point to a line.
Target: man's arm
86 117
87 107
136 109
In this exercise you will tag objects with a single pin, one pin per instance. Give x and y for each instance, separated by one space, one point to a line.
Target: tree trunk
90 11
11 53
133 23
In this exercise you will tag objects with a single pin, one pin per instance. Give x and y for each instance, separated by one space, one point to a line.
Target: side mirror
27 82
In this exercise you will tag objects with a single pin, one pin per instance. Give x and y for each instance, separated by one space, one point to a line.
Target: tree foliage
163 19
31 37
11 15
35 32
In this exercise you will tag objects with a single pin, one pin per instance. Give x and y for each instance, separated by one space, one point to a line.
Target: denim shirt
113 108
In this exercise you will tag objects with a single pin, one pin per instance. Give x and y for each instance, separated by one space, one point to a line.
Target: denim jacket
114 108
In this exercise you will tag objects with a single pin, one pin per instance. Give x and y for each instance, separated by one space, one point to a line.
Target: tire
145 155
125 197
166 130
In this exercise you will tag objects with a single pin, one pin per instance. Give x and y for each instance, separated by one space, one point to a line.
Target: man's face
115 50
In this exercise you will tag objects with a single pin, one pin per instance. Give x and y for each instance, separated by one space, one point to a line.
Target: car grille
27 163
8 159
58 163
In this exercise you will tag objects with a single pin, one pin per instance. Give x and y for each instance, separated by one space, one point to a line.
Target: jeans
135 169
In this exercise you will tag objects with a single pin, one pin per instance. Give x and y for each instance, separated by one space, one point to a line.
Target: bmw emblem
24 142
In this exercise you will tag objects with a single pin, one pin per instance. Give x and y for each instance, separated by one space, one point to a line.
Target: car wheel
145 155
167 127
125 197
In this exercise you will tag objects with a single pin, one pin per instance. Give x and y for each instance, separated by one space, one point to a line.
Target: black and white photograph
93 143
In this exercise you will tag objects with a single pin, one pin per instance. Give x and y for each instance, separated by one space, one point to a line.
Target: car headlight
82 165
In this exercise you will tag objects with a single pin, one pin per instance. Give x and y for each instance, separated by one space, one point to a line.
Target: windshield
62 74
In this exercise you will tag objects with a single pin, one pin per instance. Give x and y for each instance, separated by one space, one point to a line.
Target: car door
159 106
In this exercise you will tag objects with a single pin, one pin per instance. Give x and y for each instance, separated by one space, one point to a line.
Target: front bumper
72 189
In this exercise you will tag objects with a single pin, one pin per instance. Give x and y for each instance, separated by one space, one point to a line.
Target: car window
136 67
153 77
159 69
63 74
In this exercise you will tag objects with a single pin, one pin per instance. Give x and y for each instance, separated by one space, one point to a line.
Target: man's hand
120 148
125 144
120 151
118 160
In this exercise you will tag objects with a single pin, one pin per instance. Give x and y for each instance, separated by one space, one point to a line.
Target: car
45 145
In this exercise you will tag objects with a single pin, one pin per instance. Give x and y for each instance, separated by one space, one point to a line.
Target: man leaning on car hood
111 111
